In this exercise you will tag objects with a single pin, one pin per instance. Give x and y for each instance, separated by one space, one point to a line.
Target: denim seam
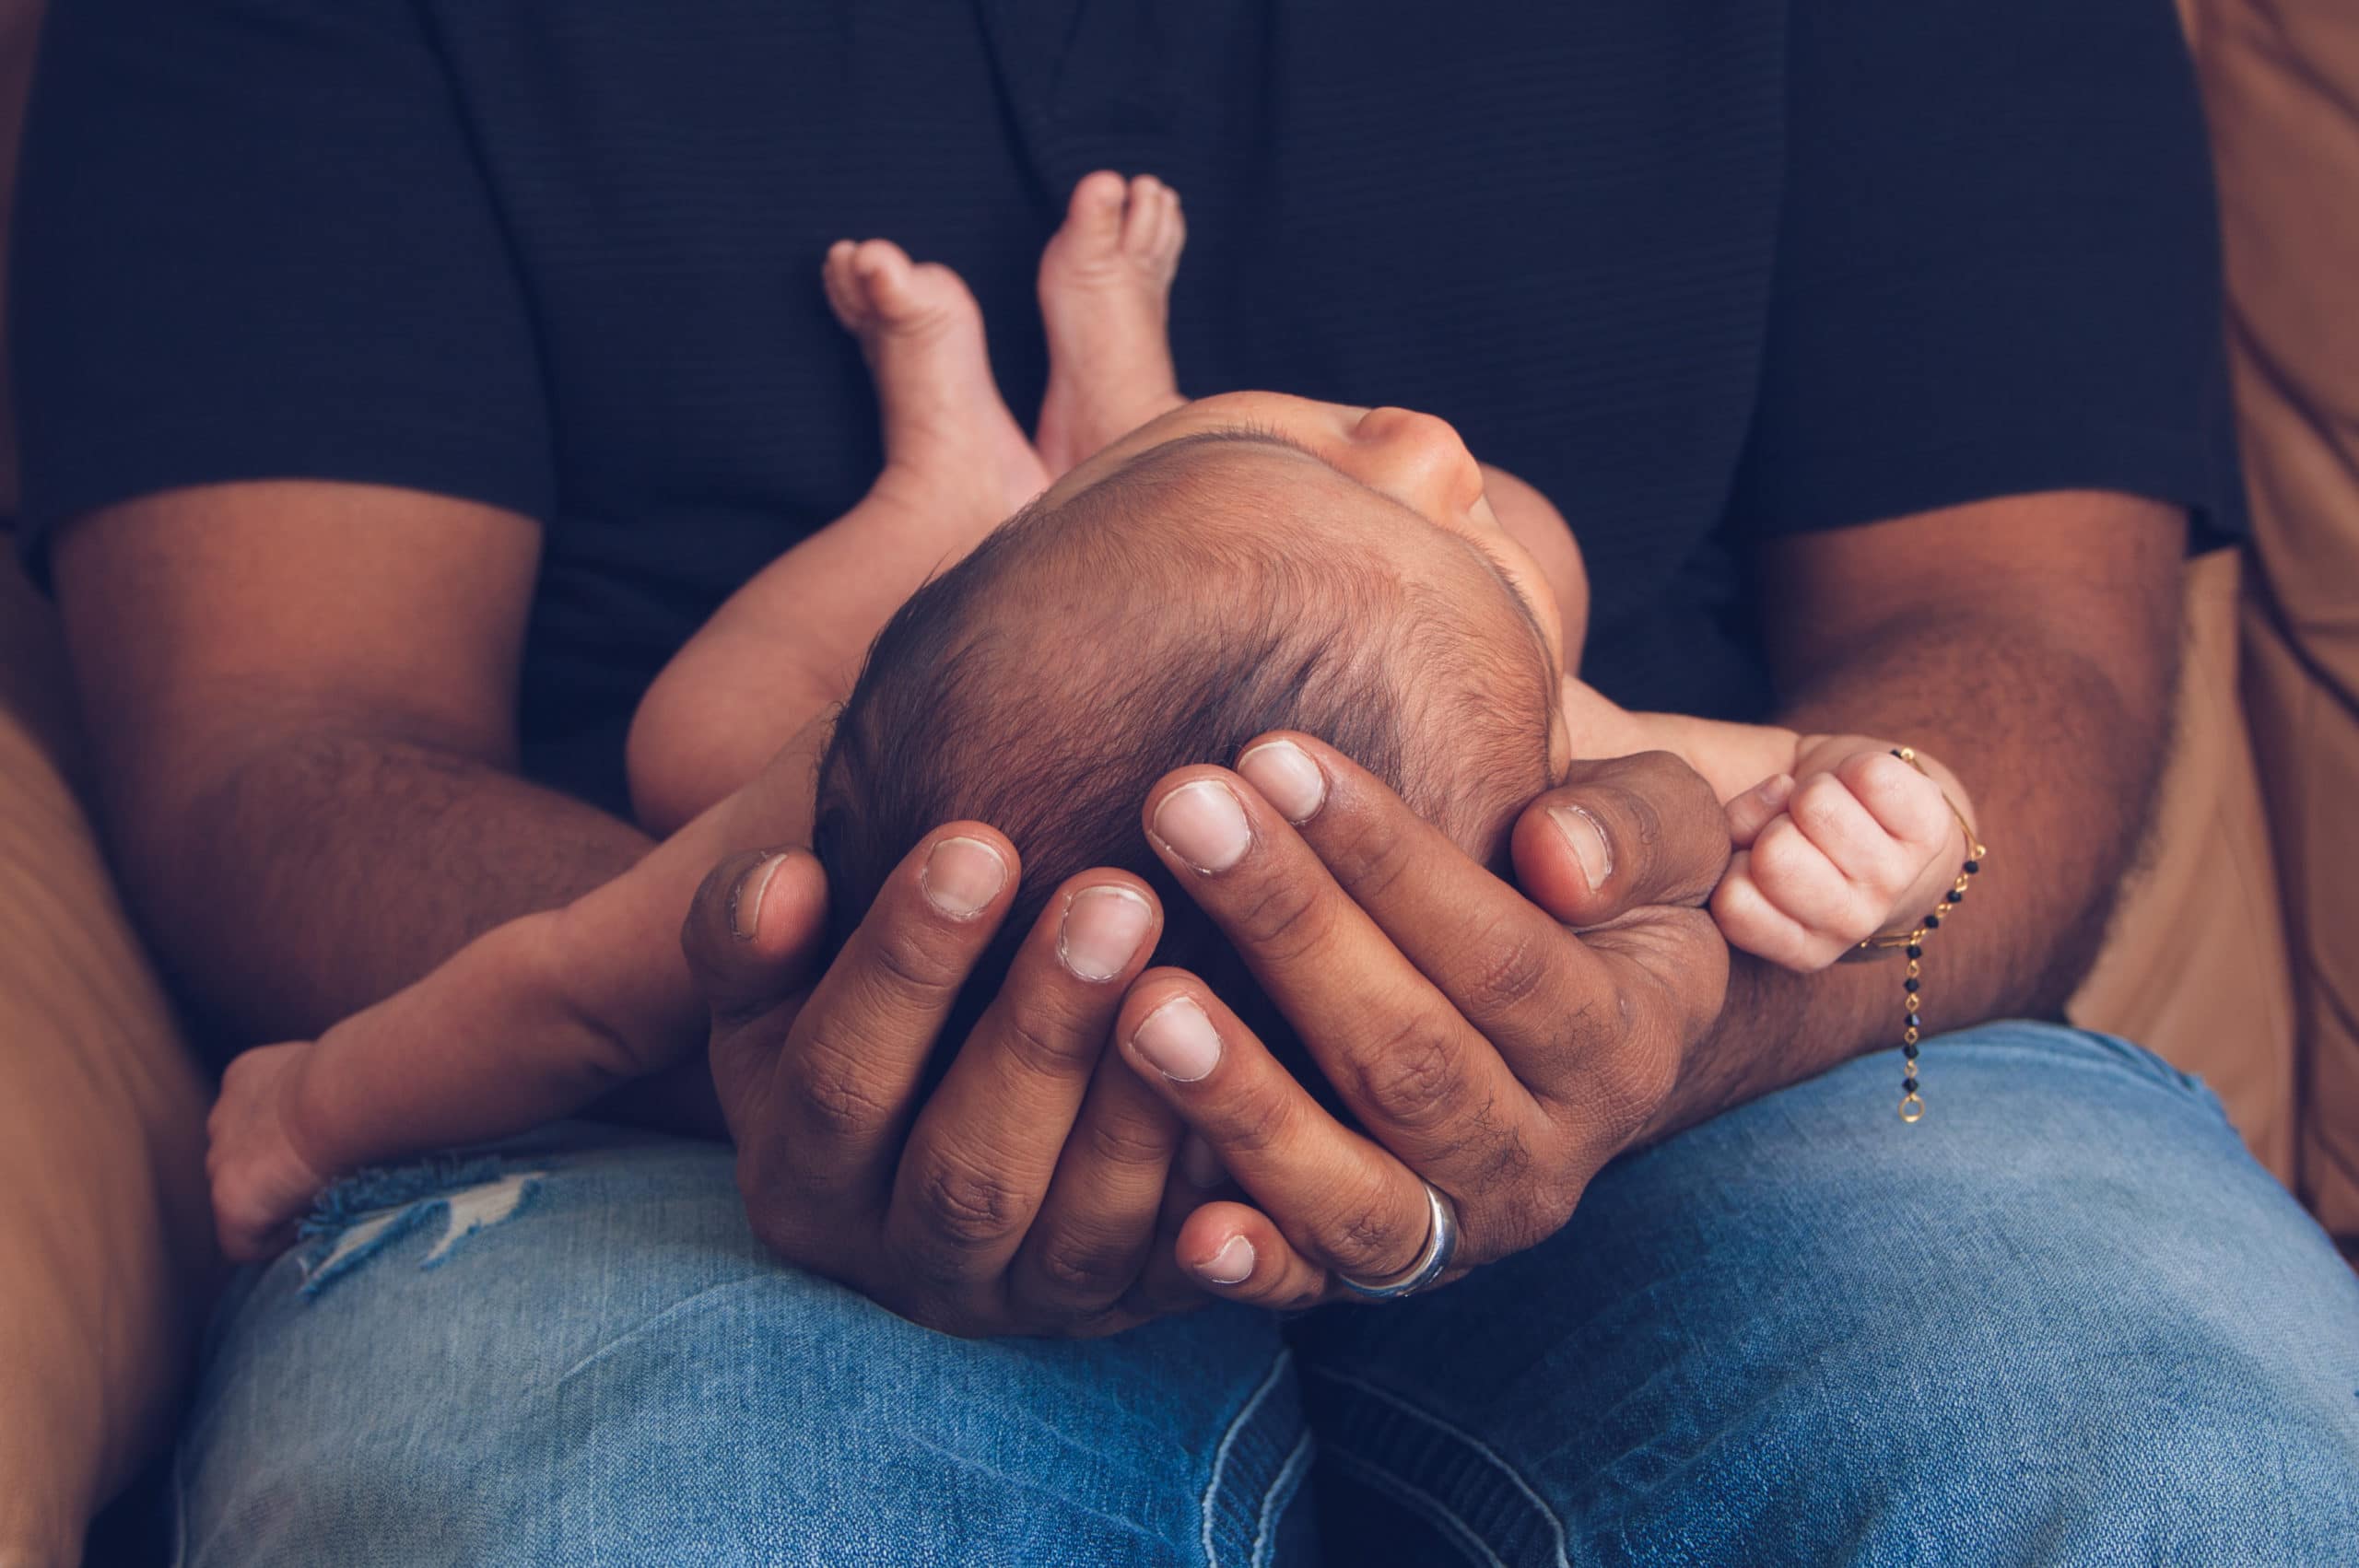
1473 1546
1281 1492
1227 1441
1555 1525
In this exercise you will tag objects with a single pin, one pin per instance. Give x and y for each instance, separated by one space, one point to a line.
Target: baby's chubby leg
1105 297
786 646
951 446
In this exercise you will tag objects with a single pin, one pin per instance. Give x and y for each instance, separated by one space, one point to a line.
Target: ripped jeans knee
361 1216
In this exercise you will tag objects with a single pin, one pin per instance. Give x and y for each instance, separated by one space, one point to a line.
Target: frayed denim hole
364 1193
359 1217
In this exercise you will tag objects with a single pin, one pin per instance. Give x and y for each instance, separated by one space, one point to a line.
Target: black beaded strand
1912 1104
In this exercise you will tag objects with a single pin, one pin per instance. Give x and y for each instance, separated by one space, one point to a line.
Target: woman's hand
1028 1193
1482 1044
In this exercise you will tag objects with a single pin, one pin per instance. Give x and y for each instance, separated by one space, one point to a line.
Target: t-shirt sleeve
1997 267
254 241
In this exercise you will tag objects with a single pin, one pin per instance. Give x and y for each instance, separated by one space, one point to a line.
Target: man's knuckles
960 1203
1278 914
1372 1234
835 1095
1412 1077
1515 968
1366 846
1079 1273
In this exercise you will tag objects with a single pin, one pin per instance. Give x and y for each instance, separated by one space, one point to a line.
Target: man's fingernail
1587 842
1232 1265
746 898
961 876
1101 931
1287 778
1204 824
1774 792
1199 1164
1179 1041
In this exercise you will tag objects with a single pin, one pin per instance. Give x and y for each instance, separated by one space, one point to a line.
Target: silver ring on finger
1441 1245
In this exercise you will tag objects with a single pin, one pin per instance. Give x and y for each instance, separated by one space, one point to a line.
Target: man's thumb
754 930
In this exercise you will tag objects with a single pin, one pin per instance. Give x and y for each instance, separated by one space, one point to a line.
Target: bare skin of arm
2032 643
303 702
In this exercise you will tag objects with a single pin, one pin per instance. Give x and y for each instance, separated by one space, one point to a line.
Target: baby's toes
1147 216
1094 218
845 297
882 272
1161 235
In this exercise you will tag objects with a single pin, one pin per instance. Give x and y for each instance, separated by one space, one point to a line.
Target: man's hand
1481 1043
1027 1192
1484 1044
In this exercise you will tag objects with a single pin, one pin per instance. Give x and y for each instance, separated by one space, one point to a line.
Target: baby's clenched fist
1854 844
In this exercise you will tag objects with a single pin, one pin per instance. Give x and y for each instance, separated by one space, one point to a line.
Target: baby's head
1249 563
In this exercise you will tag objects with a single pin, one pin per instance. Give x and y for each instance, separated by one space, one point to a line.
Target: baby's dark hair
1084 650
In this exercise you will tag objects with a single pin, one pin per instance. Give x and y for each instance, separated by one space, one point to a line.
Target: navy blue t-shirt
1704 270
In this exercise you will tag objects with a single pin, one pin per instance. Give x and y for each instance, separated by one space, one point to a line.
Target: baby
1181 577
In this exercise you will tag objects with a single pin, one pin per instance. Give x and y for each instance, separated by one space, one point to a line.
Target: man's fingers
1401 1052
1505 964
1096 1229
1197 1177
1562 1015
847 1070
1341 1198
1234 1251
1622 834
752 939
752 931
980 1158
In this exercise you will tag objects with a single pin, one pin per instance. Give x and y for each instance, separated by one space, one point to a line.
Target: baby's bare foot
1105 290
949 438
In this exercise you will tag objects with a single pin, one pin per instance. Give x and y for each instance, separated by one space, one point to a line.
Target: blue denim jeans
2064 1319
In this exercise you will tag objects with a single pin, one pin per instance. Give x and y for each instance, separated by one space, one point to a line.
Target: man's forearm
321 871
2061 756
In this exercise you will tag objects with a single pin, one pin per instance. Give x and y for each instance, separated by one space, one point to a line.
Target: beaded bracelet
1912 1104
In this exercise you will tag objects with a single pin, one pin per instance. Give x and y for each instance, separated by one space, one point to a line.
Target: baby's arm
784 647
1836 839
531 1021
